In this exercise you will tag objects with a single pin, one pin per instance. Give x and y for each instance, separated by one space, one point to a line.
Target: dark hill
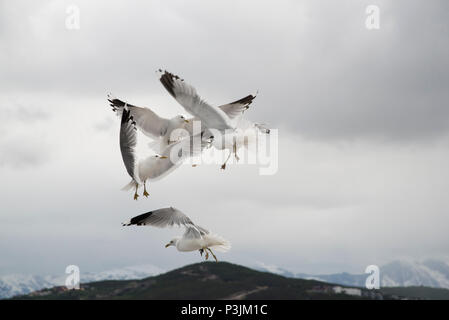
207 280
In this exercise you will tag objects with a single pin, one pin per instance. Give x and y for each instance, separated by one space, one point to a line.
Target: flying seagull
194 237
157 166
228 116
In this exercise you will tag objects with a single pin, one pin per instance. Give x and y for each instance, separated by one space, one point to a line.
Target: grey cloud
340 95
318 69
106 124
18 113
23 153
22 142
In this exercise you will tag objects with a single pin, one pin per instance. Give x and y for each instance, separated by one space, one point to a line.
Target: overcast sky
363 119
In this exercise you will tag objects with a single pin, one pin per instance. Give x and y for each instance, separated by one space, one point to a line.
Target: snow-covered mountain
18 284
15 284
429 273
399 273
274 269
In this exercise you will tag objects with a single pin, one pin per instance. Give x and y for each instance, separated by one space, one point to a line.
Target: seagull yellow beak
163 157
186 121
167 245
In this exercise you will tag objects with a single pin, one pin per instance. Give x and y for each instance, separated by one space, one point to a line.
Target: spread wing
194 232
232 110
236 108
146 120
168 217
186 95
128 141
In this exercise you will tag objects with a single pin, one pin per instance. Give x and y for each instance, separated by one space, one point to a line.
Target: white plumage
194 237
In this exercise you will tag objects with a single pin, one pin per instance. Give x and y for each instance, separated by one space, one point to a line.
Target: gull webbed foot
223 166
135 193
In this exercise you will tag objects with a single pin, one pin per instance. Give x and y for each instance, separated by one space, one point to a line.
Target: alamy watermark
72 21
72 281
373 280
372 21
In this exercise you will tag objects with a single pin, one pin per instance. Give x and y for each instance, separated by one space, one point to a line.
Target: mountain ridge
398 273
429 273
223 280
19 284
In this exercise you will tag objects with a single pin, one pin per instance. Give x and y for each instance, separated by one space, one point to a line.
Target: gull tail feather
132 184
219 243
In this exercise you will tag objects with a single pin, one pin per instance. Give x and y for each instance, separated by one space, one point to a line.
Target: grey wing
168 217
128 141
186 95
232 110
236 108
161 218
146 120
194 232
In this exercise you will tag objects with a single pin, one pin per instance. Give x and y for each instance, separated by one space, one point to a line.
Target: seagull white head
179 120
172 242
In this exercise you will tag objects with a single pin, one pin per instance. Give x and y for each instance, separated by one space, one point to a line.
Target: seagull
228 116
149 123
194 237
157 166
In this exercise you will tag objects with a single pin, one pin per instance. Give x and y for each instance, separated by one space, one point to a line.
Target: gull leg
224 164
207 254
145 193
135 194
216 260
235 151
